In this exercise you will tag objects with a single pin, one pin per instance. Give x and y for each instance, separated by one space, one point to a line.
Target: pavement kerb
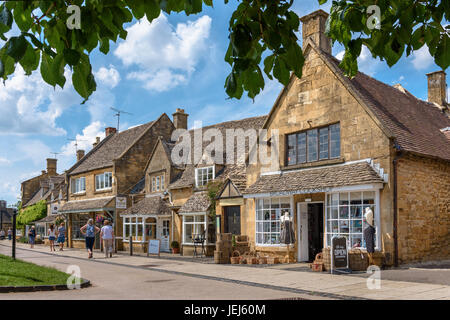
8 289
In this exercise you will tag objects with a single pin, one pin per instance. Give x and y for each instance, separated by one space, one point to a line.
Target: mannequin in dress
287 235
369 234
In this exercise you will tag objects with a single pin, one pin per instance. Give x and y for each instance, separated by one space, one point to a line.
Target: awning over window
314 180
149 206
198 202
89 205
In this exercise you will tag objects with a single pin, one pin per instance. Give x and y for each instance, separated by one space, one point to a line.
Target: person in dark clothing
32 237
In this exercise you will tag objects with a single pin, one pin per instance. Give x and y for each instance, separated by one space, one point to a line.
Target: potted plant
175 247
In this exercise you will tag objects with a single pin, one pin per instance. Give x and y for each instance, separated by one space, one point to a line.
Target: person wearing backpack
90 230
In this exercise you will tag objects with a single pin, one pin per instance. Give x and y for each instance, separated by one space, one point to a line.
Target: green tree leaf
16 47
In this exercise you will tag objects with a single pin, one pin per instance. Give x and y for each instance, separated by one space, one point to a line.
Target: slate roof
415 124
316 180
49 218
138 187
198 202
187 178
44 192
90 204
109 149
149 205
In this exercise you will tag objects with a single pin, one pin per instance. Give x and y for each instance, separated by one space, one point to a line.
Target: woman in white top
107 235
52 236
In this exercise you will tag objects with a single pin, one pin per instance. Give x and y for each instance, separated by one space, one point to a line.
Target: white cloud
33 150
86 139
28 105
422 59
166 56
4 161
109 76
366 63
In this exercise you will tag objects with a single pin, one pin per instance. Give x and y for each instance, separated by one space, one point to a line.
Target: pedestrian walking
2 234
52 236
61 236
90 230
107 235
32 236
9 234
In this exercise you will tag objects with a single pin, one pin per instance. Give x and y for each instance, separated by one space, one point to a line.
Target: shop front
148 219
321 203
79 212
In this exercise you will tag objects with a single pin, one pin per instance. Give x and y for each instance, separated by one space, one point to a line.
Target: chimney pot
51 167
313 27
110 130
80 154
437 88
97 141
180 119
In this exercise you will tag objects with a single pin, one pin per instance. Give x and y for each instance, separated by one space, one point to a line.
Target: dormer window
103 181
203 176
314 145
158 183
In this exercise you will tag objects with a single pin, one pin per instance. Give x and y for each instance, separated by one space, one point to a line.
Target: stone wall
90 185
159 165
423 209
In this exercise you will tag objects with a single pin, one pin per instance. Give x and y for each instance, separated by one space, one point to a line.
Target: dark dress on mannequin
287 235
369 236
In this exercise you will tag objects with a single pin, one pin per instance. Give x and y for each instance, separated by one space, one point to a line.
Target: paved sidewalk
280 277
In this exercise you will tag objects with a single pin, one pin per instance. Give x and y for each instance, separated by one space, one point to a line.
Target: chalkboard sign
339 254
153 247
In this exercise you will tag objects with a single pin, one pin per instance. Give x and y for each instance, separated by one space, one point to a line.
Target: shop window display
268 213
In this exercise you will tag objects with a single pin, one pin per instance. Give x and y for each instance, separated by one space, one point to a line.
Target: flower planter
235 260
262 260
273 260
252 260
175 250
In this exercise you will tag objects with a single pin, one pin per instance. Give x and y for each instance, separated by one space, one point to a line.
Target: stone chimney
51 167
97 141
80 154
313 27
110 130
180 119
2 204
437 88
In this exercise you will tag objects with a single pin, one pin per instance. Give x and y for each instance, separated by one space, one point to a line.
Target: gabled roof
187 178
109 149
167 147
413 123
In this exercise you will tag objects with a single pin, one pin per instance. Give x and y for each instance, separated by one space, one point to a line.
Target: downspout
173 220
398 155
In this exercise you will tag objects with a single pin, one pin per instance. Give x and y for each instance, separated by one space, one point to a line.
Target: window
78 185
103 181
78 220
203 176
313 145
195 225
345 213
268 213
158 183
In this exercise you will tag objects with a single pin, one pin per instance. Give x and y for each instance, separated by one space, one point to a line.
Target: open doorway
310 229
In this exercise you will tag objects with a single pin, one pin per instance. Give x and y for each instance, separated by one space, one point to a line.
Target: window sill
102 190
313 164
79 194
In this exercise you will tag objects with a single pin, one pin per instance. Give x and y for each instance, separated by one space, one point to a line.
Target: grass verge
21 273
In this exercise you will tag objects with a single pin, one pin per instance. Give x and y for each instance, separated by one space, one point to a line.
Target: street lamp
14 234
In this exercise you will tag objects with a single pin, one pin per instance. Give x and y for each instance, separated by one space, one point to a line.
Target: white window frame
200 170
270 199
78 185
157 183
104 179
376 213
205 226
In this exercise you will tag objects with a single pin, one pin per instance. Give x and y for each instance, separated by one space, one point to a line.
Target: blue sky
175 62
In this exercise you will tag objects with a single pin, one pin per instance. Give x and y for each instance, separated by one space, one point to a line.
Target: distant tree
32 213
49 35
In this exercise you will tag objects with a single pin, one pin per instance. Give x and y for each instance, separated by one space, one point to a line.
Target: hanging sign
121 202
154 247
339 253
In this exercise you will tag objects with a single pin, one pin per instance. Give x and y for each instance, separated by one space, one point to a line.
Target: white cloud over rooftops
109 76
165 55
422 59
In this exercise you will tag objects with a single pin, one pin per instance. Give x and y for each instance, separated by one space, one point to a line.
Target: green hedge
32 213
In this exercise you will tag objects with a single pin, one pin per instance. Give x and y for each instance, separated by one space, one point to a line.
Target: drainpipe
398 155
171 203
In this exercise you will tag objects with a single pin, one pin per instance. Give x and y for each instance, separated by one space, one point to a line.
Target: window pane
355 212
343 212
291 149
344 228
189 218
355 197
343 198
335 141
323 143
356 226
301 145
188 233
312 145
369 197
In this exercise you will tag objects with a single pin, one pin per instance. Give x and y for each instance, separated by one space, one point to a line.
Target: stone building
347 144
6 216
109 170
